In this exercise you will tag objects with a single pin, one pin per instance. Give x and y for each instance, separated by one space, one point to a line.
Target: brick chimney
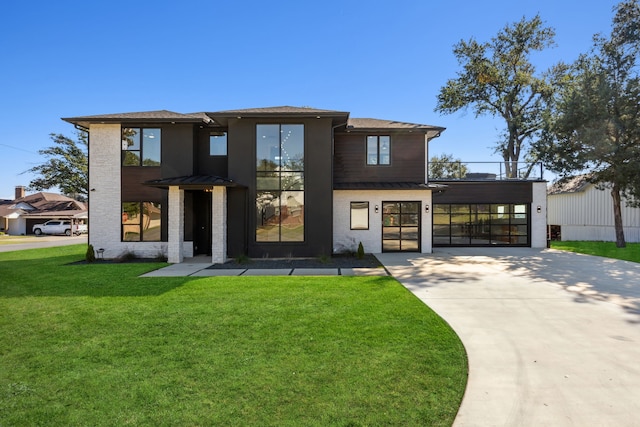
19 192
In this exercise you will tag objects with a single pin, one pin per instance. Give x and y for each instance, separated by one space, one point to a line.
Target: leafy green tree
445 166
593 126
66 167
497 78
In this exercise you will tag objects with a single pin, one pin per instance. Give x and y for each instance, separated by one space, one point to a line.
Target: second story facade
263 182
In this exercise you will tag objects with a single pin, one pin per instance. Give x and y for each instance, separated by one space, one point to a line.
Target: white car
57 226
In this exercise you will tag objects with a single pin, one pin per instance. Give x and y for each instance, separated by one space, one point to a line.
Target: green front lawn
604 249
97 345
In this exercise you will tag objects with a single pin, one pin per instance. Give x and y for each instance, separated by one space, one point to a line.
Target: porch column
219 225
176 225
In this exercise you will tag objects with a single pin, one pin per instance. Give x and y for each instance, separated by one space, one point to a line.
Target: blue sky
378 59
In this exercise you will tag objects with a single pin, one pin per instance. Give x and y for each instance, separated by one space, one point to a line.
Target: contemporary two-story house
284 182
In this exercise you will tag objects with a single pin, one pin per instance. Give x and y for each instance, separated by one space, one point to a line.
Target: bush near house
94 344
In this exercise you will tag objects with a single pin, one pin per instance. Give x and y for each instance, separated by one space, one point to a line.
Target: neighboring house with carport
578 210
288 182
18 216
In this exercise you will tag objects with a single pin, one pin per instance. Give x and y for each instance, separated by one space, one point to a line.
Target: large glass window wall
280 183
505 224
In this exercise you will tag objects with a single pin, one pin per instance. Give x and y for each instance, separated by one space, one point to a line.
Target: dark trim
383 186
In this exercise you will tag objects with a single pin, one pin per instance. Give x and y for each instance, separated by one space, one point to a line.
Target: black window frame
140 150
141 229
378 155
283 184
515 222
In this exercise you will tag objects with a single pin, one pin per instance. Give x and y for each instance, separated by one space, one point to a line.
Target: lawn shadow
421 272
588 278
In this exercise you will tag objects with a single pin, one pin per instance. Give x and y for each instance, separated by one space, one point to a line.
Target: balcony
485 171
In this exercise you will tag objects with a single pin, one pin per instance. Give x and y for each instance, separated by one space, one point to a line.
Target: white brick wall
539 219
176 225
105 213
346 239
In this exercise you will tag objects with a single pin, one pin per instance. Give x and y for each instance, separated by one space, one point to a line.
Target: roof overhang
57 214
223 117
146 117
388 186
376 125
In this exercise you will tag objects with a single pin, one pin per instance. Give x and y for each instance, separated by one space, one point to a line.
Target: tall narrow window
379 150
141 147
279 183
218 144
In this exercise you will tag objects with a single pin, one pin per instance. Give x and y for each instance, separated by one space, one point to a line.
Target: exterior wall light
377 209
426 208
539 209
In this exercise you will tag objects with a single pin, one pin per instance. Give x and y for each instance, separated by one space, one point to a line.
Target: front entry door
401 227
202 223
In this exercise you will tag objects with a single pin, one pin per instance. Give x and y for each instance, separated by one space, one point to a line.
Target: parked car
56 226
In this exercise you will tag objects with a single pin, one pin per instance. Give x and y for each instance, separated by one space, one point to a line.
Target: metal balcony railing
485 171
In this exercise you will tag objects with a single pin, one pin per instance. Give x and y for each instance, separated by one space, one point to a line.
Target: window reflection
280 183
481 224
141 221
141 147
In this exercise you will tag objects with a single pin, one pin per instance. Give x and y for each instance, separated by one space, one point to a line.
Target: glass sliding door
497 224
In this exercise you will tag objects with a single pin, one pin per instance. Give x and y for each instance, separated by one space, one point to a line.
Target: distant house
580 211
18 216
288 182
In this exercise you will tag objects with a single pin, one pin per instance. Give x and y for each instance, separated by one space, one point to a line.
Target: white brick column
105 204
539 218
219 225
176 224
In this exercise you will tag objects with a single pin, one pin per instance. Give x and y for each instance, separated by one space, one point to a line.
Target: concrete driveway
553 338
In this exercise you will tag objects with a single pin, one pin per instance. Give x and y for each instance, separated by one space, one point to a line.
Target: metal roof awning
193 182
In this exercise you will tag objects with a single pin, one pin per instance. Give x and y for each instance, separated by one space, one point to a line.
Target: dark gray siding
407 158
485 192
318 190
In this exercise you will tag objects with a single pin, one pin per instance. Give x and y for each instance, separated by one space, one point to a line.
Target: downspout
426 154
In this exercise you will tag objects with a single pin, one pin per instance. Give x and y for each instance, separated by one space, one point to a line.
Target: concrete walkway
553 338
198 267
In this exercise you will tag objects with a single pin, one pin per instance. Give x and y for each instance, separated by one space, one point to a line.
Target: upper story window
218 144
141 146
378 150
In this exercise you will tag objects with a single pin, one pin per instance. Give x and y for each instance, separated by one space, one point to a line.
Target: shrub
90 256
243 259
360 253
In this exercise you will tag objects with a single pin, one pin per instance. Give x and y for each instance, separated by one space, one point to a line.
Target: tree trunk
617 216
